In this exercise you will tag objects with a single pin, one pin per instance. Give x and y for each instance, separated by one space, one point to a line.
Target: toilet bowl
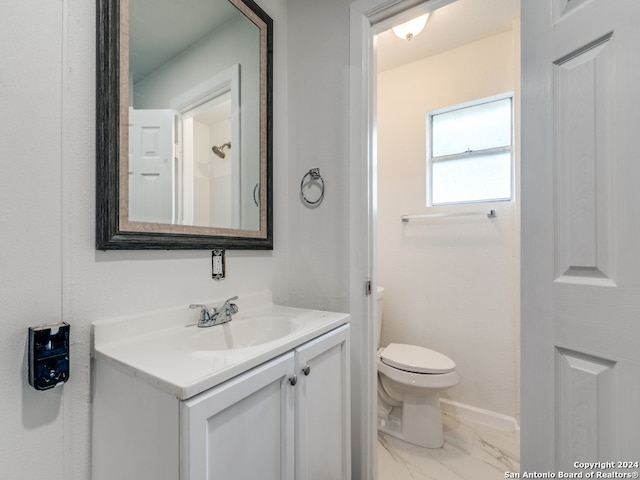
410 379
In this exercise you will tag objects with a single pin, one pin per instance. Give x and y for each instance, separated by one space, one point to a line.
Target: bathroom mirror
184 125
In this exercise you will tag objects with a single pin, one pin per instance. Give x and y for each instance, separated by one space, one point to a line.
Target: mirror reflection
194 114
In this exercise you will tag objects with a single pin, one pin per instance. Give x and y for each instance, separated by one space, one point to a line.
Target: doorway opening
451 279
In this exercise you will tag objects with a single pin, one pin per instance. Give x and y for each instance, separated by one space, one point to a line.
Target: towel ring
314 176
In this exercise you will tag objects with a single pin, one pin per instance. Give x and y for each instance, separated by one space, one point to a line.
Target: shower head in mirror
219 151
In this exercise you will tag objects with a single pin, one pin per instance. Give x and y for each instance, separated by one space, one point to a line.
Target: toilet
410 379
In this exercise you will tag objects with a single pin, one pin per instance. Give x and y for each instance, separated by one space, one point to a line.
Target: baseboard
479 415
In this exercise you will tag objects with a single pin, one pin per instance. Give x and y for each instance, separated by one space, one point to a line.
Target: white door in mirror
150 165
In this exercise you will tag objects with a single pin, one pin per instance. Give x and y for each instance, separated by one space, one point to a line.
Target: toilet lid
413 358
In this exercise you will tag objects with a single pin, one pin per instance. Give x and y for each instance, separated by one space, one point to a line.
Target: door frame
367 19
224 85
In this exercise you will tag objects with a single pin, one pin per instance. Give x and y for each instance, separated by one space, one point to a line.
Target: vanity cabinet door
239 430
323 422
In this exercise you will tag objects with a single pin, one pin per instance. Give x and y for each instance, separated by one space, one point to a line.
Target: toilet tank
379 295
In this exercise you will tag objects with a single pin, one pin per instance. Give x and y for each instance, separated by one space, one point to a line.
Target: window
469 152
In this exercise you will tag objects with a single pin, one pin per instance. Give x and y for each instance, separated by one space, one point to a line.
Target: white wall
201 177
450 284
31 149
49 268
220 176
318 87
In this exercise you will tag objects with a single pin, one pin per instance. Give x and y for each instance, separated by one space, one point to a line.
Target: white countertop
155 347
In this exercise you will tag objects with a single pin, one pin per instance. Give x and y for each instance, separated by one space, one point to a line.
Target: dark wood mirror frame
111 113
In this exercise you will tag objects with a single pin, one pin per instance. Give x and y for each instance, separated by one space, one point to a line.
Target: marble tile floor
472 451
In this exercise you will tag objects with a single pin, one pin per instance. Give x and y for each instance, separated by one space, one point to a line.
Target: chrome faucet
218 315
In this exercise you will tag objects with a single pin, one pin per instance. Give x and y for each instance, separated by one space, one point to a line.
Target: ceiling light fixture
412 28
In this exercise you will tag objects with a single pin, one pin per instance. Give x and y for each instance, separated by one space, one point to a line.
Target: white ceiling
161 29
449 27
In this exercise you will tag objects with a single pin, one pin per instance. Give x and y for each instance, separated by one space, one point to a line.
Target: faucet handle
232 306
227 305
204 311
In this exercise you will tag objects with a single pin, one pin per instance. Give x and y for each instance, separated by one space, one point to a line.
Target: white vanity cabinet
285 419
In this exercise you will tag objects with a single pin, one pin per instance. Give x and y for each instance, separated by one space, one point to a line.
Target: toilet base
418 421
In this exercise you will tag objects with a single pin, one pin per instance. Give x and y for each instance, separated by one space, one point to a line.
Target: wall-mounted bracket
48 355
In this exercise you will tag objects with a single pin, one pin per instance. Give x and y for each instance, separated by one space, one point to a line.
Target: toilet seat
416 359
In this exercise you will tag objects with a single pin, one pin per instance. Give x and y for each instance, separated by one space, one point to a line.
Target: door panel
240 429
322 408
151 165
585 162
580 255
587 390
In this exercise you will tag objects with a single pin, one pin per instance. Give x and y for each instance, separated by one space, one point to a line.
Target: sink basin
168 351
244 333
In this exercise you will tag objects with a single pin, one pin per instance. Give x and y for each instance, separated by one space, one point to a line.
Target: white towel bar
490 214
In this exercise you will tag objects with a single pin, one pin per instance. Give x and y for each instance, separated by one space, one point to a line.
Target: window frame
469 153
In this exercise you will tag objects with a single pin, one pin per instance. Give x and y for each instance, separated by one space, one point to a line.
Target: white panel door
241 429
323 420
580 234
151 165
